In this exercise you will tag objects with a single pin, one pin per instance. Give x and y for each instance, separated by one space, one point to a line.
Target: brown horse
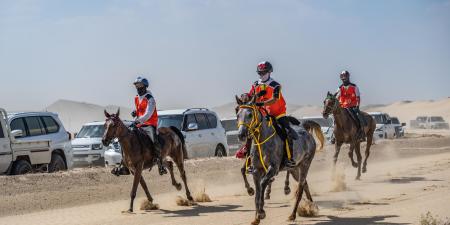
138 151
346 131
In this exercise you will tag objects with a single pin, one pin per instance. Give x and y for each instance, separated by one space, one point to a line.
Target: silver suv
44 126
205 136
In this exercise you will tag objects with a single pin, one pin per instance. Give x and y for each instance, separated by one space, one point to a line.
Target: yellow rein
254 129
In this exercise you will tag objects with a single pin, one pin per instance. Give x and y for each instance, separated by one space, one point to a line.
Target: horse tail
314 128
183 141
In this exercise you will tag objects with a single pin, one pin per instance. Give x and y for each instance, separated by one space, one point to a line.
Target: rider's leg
152 133
284 121
292 135
360 122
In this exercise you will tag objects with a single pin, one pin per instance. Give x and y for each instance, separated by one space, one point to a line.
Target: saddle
282 133
144 139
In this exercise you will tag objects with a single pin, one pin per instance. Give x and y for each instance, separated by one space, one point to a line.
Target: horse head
329 104
112 127
248 119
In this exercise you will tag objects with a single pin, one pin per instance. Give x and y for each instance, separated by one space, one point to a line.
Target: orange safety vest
347 96
141 109
277 109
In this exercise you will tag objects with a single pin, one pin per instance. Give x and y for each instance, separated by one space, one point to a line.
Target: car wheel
385 136
56 164
220 151
21 167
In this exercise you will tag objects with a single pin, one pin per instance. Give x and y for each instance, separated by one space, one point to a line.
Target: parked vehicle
87 145
429 122
113 154
399 127
231 129
384 128
205 136
327 125
33 141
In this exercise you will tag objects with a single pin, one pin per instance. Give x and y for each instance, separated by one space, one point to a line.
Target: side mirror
17 133
403 124
192 126
75 135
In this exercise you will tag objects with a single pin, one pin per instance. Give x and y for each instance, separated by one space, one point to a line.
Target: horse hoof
190 198
267 197
364 170
262 215
355 165
130 211
358 178
251 191
178 187
255 222
291 218
287 190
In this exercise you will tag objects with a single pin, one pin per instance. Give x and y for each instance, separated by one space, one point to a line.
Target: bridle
254 130
331 109
116 122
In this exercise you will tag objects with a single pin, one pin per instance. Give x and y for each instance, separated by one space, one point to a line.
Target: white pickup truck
19 156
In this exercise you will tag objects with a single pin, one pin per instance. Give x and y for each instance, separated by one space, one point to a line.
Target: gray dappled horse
268 151
346 131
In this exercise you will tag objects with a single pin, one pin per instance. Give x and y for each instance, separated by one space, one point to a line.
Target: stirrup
250 170
289 164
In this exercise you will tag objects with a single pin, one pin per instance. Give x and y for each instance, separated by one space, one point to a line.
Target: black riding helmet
264 67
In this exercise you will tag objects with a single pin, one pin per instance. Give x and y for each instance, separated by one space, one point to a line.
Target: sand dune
405 110
74 114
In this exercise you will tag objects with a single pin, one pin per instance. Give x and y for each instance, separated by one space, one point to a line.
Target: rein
254 128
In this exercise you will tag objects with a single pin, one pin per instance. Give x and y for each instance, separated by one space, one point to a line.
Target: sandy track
406 178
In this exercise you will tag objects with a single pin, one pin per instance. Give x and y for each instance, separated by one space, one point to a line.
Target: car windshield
91 131
395 120
170 120
437 119
229 125
421 119
321 121
379 119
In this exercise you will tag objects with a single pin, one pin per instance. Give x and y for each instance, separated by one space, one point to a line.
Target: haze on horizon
202 53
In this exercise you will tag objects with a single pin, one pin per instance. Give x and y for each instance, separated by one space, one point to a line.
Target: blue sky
202 52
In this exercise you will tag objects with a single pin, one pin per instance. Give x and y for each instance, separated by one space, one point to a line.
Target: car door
5 144
193 137
207 143
35 131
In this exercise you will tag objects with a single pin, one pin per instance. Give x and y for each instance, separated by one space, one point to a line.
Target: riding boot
120 170
158 157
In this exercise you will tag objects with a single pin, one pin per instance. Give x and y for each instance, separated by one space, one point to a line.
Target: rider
147 117
349 98
269 96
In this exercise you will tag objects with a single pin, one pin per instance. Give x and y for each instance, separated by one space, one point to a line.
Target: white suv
44 126
205 136
385 128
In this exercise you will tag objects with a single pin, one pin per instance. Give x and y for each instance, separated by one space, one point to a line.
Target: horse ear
107 114
118 112
335 94
238 100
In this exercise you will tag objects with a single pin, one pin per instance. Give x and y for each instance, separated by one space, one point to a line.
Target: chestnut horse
346 131
138 154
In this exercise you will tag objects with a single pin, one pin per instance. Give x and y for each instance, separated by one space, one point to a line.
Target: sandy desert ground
406 179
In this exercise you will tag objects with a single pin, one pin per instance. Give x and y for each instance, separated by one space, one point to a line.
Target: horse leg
301 185
350 154
266 180
308 194
287 189
368 145
180 166
337 149
144 186
136 179
269 189
250 190
257 181
172 176
359 158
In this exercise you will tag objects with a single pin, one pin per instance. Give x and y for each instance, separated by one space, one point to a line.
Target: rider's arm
358 97
251 92
338 93
275 96
149 111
